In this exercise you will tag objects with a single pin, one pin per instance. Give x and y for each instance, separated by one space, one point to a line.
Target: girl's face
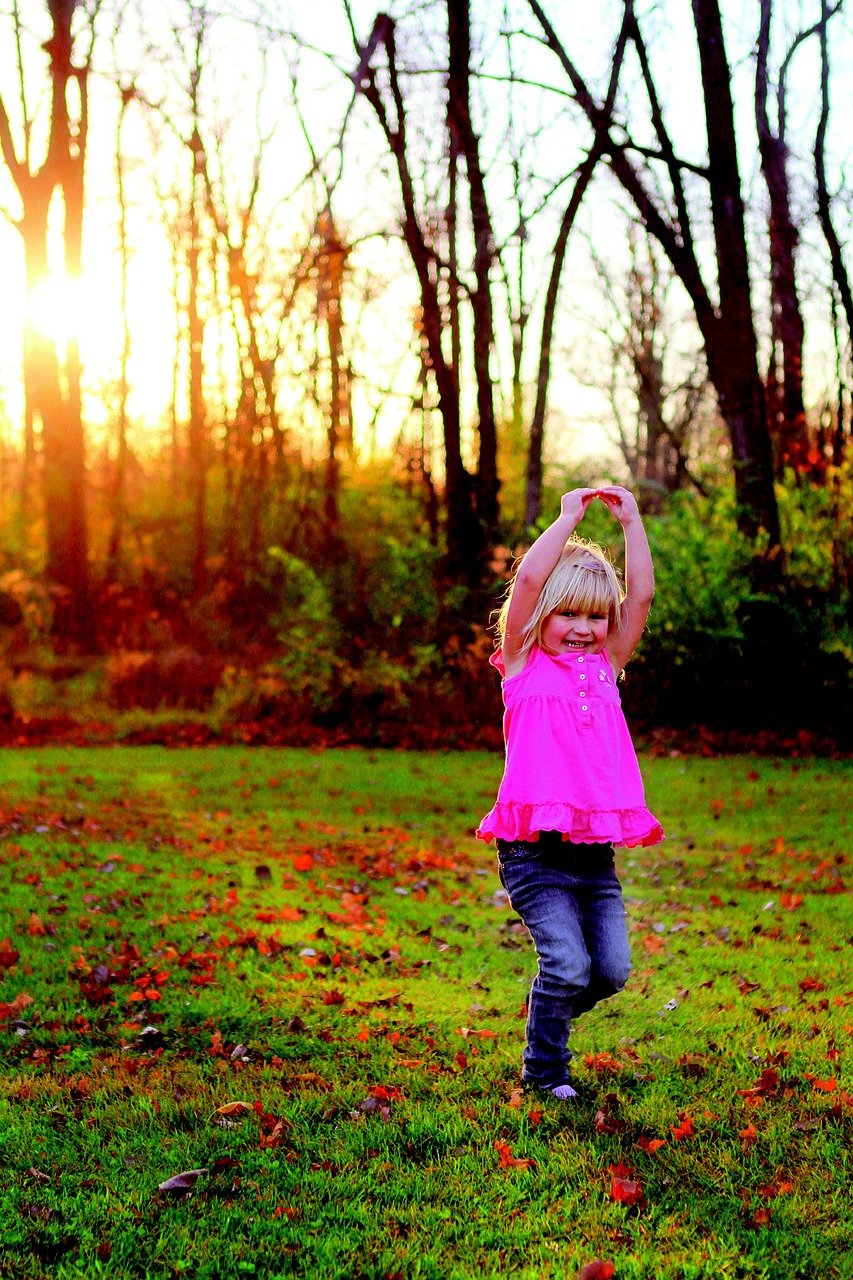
564 631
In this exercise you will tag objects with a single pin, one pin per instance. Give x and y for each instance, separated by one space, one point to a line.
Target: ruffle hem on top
512 820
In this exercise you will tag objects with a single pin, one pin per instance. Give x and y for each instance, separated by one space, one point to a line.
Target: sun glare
55 309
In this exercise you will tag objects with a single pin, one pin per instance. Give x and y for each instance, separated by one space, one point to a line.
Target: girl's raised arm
535 568
639 575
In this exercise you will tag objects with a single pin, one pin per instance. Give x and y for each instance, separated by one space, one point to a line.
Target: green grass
391 1055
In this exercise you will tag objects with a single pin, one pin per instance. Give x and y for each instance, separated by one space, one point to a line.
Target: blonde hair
583 580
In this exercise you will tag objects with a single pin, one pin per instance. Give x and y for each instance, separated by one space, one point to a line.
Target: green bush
306 627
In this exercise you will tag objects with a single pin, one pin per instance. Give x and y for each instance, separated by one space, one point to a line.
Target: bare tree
726 326
785 407
661 433
52 392
470 502
842 289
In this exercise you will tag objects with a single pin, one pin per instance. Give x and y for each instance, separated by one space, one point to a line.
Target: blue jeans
570 899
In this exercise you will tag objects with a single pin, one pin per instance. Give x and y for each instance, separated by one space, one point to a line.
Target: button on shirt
570 762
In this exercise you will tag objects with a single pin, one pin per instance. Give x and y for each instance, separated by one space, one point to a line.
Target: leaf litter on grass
345 1028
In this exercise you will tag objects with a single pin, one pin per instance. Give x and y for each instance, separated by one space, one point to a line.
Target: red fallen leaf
534 1117
516 1099
683 1130
825 1086
182 1181
333 997
285 1211
790 901
761 1218
8 954
461 1060
811 984
303 862
607 1124
602 1064
652 943
20 1002
385 1093
766 1083
508 1161
598 1270
624 1188
651 1145
286 913
778 1188
35 926
274 1139
745 987
748 1136
715 901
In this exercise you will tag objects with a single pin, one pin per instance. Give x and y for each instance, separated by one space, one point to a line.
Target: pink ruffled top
570 761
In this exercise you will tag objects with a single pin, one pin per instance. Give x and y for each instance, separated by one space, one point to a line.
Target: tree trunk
47 400
464 137
732 349
786 412
195 338
840 277
463 531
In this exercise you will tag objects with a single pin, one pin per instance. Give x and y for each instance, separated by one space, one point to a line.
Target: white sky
546 131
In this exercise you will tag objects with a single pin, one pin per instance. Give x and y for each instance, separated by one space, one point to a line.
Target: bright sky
545 136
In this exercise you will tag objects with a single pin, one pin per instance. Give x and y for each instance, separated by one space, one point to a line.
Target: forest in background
311 318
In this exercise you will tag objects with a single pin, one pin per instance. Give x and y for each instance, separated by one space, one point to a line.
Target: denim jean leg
605 931
541 893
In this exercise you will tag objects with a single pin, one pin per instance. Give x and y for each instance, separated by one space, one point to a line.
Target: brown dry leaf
233 1108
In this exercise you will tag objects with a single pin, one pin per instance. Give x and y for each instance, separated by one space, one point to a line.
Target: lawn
293 978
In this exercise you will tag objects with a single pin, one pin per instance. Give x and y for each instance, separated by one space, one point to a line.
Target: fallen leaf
683 1130
508 1160
233 1108
8 954
766 1083
598 1270
748 1136
624 1188
182 1181
651 1145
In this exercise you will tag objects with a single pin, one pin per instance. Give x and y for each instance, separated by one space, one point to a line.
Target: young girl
571 787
